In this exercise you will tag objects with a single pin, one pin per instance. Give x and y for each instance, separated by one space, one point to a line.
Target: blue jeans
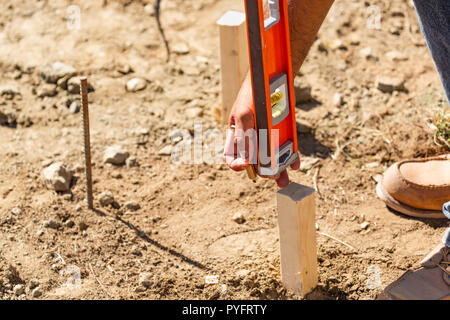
434 18
446 238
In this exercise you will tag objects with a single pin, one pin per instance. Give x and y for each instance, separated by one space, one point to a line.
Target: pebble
36 292
83 226
47 90
53 72
116 175
75 107
115 155
396 56
194 113
106 199
136 84
365 225
180 48
239 218
338 100
69 223
16 211
368 54
149 9
132 206
57 177
19 289
9 91
145 279
166 151
388 84
132 162
73 85
243 273
52 224
135 250
33 283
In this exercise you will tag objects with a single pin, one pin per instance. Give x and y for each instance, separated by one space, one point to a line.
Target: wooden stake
233 57
298 247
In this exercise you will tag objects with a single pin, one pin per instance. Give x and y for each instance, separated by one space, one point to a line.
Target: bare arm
305 19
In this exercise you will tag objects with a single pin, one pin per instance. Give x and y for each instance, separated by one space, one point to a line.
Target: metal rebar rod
87 141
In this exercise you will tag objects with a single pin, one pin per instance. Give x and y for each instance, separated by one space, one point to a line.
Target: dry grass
441 123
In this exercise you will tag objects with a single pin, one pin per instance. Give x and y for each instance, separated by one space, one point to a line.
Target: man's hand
241 118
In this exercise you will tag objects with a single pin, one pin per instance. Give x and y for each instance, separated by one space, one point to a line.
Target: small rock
16 211
146 279
396 56
69 223
243 273
239 218
372 165
116 175
166 151
142 132
180 48
132 206
132 162
390 84
354 39
337 44
53 72
33 283
75 107
9 91
302 92
106 199
19 289
135 250
73 86
36 293
47 90
149 9
83 226
57 177
368 54
194 113
136 84
342 66
365 225
52 224
338 100
115 155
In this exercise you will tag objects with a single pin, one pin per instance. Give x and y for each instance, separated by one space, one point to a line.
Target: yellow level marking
276 97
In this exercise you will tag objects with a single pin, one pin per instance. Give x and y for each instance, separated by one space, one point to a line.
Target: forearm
305 19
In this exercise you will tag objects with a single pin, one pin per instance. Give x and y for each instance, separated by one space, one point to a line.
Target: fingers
296 164
283 179
236 160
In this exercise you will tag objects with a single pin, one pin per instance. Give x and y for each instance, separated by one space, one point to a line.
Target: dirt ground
183 230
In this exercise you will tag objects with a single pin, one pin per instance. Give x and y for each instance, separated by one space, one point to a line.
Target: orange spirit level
272 84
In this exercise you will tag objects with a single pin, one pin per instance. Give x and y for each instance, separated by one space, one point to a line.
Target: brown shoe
439 258
418 188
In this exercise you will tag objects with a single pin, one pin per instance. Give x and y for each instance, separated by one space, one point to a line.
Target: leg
435 23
